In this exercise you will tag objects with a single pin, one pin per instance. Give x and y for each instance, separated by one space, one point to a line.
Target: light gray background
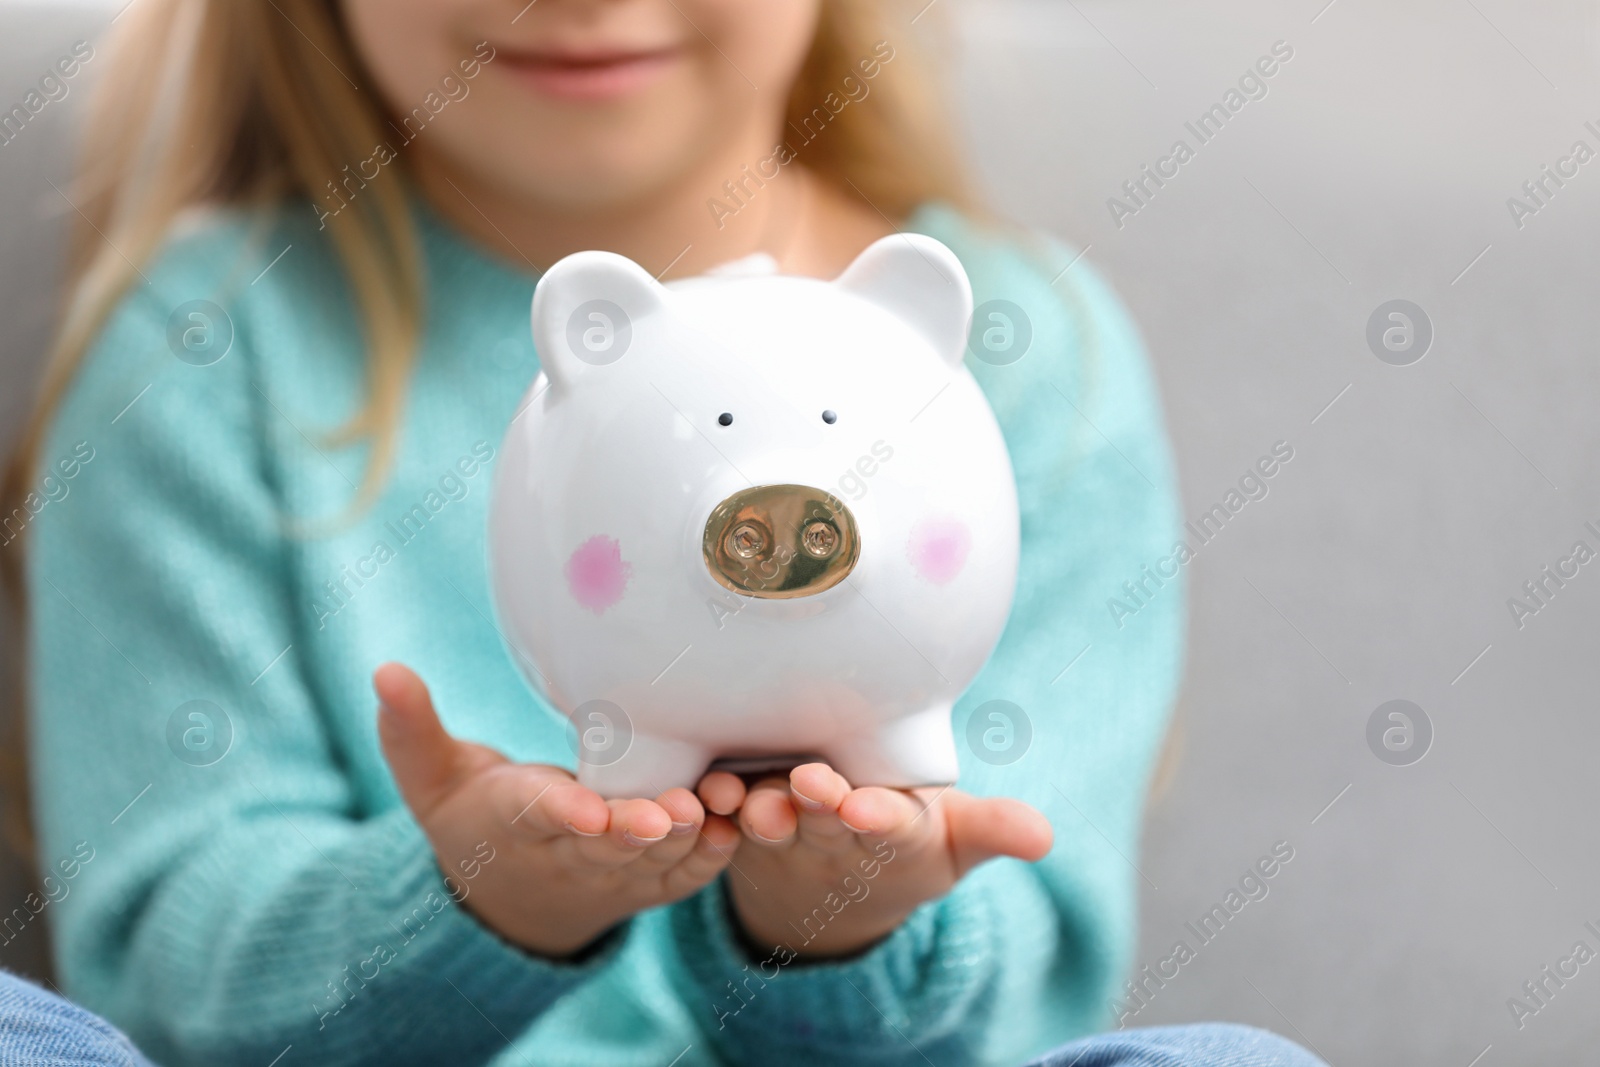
1377 167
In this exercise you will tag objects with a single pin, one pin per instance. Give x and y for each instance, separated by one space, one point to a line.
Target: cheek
596 573
768 42
405 45
938 549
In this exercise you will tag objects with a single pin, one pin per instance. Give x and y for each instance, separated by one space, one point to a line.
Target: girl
299 312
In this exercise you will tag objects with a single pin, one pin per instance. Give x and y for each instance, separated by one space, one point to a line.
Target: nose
777 542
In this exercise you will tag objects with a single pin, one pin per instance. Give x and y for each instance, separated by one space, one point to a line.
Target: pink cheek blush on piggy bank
753 519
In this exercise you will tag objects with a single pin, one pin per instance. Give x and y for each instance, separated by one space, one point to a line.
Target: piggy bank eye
830 417
725 419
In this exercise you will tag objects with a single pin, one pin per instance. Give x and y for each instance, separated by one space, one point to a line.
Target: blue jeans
39 1029
1202 1045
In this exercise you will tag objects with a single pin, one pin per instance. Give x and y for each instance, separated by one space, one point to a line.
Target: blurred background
1443 857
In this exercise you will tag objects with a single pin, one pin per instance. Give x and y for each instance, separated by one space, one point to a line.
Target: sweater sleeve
1016 958
236 900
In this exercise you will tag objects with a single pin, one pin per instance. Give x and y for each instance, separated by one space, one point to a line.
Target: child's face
584 103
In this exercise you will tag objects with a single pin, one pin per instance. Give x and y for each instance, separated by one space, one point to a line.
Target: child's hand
808 833
568 865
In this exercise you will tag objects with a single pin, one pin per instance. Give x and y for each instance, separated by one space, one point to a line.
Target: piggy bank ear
586 310
921 281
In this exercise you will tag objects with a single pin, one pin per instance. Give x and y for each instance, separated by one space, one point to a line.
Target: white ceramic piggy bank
755 518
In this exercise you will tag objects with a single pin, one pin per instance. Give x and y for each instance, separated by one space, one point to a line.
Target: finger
816 791
767 815
721 792
635 826
544 802
982 828
426 761
715 845
891 814
687 817
683 808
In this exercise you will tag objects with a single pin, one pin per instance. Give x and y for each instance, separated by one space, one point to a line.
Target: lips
591 75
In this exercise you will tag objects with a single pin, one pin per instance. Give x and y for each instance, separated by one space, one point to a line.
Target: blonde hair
246 102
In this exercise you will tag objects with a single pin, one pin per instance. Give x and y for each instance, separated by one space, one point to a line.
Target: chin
596 175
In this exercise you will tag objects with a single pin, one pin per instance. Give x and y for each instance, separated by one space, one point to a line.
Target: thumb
425 759
982 828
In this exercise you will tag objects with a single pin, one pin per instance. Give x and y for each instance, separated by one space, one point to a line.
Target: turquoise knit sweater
280 899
